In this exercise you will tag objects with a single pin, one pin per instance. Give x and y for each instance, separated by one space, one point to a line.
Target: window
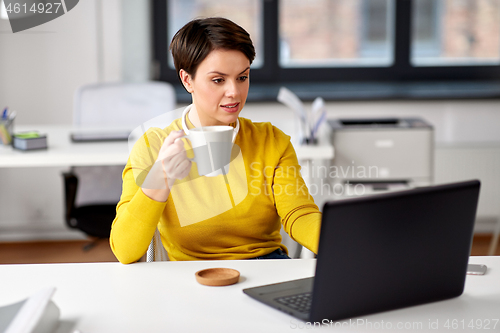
248 14
354 49
342 33
447 33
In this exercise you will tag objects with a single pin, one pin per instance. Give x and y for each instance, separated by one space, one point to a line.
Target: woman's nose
232 89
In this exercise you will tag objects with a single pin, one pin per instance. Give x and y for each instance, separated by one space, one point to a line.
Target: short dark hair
194 41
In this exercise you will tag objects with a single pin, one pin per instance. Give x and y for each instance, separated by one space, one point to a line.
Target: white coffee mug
212 147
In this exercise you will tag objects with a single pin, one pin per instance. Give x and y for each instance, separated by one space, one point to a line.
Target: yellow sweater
236 216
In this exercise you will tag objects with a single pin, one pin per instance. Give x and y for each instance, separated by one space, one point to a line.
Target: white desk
314 152
164 297
62 152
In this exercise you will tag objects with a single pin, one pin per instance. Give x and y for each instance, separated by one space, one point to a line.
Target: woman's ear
186 80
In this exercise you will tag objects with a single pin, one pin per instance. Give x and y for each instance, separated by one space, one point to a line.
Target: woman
233 216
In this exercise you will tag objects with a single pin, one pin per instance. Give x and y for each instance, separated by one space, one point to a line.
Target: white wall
467 134
454 121
136 40
41 68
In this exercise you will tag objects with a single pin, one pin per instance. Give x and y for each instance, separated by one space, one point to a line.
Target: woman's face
220 87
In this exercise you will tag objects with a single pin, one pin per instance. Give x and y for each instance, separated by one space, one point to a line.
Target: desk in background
42 219
165 297
62 152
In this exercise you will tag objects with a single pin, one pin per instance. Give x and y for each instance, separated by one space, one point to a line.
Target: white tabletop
312 152
62 152
165 297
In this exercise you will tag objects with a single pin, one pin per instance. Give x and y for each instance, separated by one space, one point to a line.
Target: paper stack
35 314
309 122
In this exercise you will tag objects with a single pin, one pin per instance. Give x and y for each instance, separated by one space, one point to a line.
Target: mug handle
185 136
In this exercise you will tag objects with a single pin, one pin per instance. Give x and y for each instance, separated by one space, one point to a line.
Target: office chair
156 251
94 219
494 240
92 192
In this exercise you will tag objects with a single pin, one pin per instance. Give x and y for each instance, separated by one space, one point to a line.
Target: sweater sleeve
300 216
136 214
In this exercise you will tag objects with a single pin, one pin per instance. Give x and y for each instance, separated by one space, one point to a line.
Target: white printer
383 154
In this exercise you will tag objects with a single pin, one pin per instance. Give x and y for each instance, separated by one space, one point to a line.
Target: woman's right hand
173 157
172 163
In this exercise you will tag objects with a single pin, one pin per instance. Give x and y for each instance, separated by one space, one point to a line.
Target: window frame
400 78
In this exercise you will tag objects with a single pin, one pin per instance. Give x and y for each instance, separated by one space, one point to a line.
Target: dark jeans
277 254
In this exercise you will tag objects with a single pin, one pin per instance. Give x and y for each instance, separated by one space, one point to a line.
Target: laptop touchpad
289 287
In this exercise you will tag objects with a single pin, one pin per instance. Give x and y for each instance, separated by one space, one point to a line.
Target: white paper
291 100
37 314
318 116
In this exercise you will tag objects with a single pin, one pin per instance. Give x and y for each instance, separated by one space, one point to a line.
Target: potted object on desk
6 125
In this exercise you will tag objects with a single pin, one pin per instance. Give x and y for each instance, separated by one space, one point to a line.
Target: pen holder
6 130
310 141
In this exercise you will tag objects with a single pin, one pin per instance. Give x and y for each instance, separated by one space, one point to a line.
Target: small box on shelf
29 141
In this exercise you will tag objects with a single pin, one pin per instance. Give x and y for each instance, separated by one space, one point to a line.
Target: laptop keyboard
299 302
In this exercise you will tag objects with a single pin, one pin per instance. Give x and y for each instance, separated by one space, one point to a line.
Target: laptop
384 252
102 136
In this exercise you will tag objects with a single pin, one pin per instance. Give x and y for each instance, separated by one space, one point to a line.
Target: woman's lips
232 107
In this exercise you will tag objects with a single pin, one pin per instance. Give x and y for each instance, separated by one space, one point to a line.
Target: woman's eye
243 78
217 80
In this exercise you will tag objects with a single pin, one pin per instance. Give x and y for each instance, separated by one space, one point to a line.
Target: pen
4 114
12 115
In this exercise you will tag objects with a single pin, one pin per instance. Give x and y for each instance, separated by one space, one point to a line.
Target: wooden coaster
217 276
